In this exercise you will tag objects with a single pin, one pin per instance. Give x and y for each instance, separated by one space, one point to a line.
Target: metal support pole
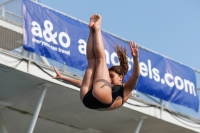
28 65
64 68
30 55
44 60
33 56
23 52
38 107
2 125
137 130
3 10
161 109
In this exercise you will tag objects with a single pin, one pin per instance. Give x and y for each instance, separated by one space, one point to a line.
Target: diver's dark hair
122 69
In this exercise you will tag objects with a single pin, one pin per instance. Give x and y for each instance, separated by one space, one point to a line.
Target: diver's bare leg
89 73
101 86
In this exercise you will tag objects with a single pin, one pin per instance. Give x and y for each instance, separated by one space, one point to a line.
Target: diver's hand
134 49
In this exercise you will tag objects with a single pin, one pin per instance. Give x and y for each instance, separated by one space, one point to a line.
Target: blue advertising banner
64 39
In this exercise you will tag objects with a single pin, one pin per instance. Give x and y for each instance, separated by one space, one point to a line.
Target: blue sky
168 27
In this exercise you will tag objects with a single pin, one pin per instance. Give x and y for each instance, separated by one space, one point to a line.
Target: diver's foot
97 22
91 22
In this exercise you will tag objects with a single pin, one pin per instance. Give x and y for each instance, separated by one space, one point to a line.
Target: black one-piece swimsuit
91 102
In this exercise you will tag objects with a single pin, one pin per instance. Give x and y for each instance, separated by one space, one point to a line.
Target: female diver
102 88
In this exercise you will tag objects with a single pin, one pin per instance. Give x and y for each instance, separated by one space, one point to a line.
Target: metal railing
11 10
